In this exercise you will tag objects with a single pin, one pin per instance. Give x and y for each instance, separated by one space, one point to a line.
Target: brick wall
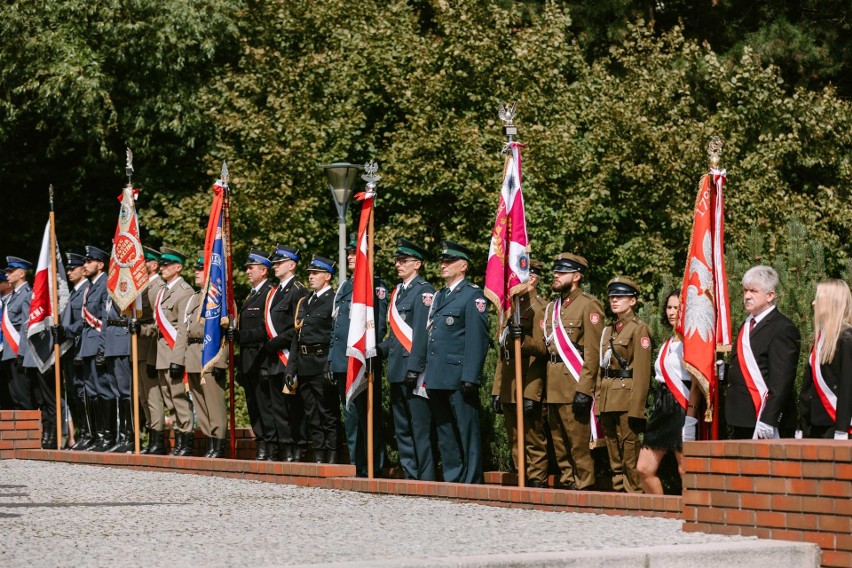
19 430
799 490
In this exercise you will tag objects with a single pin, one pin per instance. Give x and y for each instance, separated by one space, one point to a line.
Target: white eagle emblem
480 305
427 299
700 314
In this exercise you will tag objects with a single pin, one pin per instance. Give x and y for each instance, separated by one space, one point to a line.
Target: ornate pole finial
50 192
370 176
507 113
714 152
128 168
224 175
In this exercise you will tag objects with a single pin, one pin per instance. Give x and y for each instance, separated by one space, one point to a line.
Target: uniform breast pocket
454 359
452 318
573 327
405 312
622 346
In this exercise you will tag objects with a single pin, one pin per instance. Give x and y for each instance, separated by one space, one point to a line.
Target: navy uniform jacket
18 304
253 332
72 318
92 340
116 338
283 315
340 330
838 376
458 337
413 306
775 343
314 333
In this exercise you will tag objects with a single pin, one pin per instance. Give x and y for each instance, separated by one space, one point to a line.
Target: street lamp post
341 177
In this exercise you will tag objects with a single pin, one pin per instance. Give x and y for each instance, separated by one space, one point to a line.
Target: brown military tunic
583 320
208 394
174 393
623 390
534 367
149 387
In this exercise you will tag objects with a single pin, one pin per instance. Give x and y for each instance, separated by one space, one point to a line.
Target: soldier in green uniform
169 311
534 368
150 396
625 376
573 324
458 341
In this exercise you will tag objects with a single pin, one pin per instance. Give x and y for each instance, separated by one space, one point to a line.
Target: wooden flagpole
519 398
134 354
229 285
54 300
371 178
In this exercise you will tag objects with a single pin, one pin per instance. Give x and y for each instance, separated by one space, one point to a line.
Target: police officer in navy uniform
458 341
355 414
116 332
306 367
251 336
72 326
16 311
5 398
288 414
412 417
92 345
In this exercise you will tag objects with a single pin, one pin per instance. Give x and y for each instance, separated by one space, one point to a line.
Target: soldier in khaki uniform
623 389
534 367
570 391
208 388
169 311
150 396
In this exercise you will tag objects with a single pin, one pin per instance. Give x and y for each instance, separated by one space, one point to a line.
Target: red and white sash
283 354
669 369
88 316
751 372
401 330
826 395
572 359
165 326
11 337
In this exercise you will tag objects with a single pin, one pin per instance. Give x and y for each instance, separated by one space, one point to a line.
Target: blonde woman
826 400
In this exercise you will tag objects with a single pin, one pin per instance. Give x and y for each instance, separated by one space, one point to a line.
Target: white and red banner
704 321
826 395
361 344
127 276
508 270
42 318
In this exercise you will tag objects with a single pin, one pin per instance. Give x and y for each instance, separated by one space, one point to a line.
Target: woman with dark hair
825 403
669 423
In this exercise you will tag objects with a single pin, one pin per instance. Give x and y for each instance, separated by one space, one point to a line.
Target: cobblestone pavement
55 514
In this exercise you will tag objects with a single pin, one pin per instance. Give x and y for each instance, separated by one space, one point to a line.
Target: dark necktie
752 324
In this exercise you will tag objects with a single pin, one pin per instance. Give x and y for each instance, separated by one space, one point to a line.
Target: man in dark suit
308 360
280 313
455 354
405 349
72 326
251 336
759 402
92 343
355 414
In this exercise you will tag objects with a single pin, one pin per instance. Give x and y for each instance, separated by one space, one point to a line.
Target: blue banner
215 300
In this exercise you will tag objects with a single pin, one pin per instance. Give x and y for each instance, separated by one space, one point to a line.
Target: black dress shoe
272 451
570 486
331 456
287 452
261 451
219 446
319 456
187 449
537 484
156 443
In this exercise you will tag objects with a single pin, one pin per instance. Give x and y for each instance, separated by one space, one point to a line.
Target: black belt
618 374
194 340
116 323
555 358
313 348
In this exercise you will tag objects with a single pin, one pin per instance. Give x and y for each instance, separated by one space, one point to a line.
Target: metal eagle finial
507 113
224 175
370 176
128 168
714 151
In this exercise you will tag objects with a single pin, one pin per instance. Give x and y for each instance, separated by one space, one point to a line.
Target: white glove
690 427
841 435
763 431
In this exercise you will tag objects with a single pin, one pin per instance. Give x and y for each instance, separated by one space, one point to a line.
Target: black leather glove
495 404
232 334
636 424
219 373
19 362
529 407
470 392
132 326
329 375
176 371
515 331
379 351
582 404
100 362
151 371
289 381
58 333
78 366
411 378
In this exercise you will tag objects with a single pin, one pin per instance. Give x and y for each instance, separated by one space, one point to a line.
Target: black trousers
5 383
322 409
249 383
265 426
22 388
46 384
288 413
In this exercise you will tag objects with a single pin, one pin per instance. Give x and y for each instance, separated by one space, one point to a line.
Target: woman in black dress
666 426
